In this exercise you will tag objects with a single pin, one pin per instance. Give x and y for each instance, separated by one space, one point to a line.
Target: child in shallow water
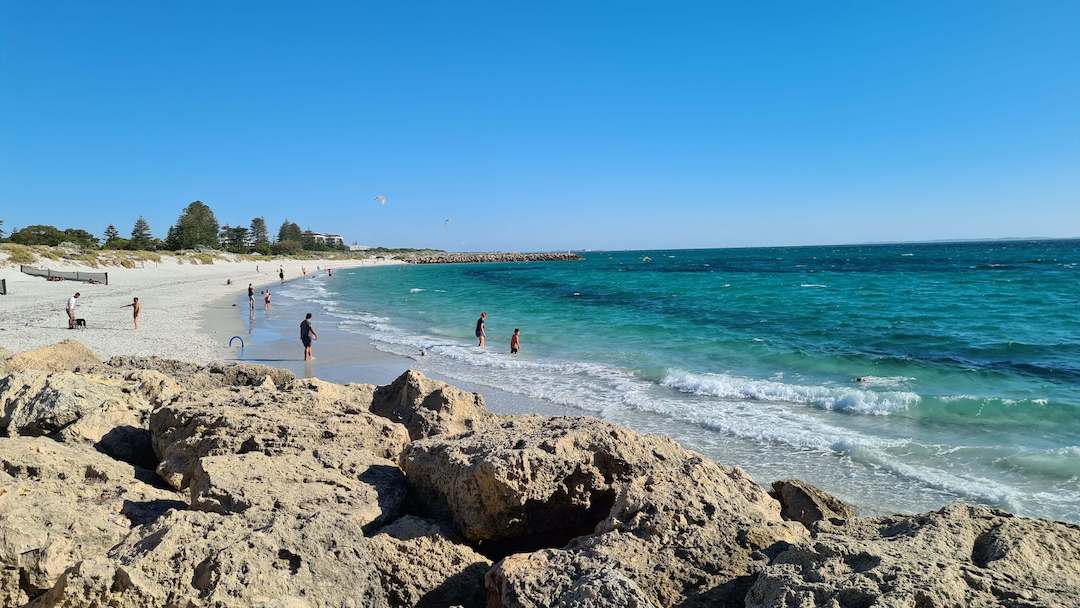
515 342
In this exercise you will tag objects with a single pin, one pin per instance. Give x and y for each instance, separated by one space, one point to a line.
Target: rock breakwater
138 483
468 258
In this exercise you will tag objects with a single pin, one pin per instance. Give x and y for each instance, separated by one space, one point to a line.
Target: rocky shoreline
144 482
470 258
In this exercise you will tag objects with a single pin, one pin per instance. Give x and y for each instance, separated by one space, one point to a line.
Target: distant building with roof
335 240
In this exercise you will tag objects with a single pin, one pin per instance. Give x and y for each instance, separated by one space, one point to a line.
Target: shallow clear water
969 356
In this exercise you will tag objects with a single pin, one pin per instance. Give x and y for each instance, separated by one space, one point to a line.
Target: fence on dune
54 275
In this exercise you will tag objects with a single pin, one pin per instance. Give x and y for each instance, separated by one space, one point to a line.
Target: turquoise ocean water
969 356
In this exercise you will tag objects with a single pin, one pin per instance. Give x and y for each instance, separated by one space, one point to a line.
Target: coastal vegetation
196 228
195 238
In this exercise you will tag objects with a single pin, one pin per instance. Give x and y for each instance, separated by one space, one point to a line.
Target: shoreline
351 350
174 298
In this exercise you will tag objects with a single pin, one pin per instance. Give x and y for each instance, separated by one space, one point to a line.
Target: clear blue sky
548 125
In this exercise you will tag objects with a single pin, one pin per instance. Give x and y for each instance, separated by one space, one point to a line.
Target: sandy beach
174 297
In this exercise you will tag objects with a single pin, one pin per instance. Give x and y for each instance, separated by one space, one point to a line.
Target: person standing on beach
281 273
70 308
266 299
307 334
481 329
136 309
251 297
515 342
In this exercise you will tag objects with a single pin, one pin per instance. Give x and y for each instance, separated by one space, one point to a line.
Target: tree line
196 228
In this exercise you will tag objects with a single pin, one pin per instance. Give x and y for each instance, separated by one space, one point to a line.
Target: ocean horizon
897 376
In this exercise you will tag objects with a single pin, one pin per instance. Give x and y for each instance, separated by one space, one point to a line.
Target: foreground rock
806 504
688 533
68 355
104 412
643 517
959 556
205 377
254 483
428 407
293 490
239 420
60 504
423 563
191 558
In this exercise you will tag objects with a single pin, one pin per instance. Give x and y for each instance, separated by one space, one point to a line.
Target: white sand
174 299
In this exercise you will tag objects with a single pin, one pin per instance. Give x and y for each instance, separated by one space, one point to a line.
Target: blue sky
548 125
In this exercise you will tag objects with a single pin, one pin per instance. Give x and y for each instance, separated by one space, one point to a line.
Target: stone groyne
472 258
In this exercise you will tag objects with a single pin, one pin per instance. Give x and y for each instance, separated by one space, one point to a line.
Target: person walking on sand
136 309
251 297
307 334
70 308
281 273
515 342
481 329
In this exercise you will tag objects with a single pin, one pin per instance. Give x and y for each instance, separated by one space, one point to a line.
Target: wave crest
825 397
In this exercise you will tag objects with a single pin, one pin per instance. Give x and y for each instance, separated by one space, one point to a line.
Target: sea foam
826 397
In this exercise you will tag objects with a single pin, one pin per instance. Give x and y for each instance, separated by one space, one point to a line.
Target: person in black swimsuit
251 297
307 334
481 329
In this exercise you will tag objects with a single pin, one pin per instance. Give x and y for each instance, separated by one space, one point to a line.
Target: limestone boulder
246 374
194 377
357 397
424 564
959 556
237 420
69 355
806 504
153 385
687 533
60 504
90 409
529 481
557 579
194 558
429 407
298 483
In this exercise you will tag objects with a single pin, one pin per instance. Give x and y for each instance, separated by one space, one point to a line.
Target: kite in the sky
381 199
446 224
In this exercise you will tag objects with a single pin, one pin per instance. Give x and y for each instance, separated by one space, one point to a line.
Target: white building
329 239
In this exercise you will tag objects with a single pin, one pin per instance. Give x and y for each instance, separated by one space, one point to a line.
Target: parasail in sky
381 199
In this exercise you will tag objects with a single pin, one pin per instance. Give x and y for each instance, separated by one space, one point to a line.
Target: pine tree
141 239
290 231
196 227
259 235
111 234
234 238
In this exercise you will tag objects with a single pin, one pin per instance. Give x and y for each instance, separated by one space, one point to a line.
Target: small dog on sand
80 323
